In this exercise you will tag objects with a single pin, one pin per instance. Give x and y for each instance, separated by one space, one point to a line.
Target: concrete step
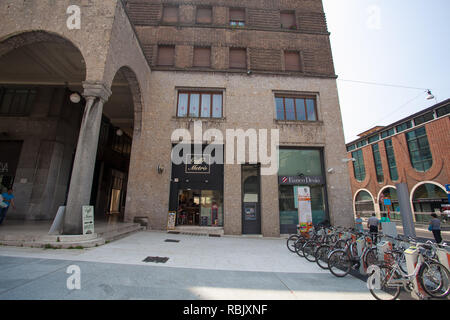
120 232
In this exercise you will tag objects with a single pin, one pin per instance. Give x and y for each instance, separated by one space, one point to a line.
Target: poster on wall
171 220
88 219
304 208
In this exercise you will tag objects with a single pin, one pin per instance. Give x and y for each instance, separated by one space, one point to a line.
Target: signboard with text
88 219
197 164
300 180
304 208
171 220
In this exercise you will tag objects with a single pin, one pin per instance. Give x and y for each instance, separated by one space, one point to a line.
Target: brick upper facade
262 36
438 135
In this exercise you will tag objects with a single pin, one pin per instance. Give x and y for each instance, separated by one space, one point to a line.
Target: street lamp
430 95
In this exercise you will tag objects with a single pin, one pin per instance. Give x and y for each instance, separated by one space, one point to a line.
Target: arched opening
426 199
364 204
389 195
121 117
39 123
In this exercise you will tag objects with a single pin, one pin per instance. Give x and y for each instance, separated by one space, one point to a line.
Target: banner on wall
304 208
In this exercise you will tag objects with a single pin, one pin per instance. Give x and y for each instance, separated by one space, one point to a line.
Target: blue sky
399 42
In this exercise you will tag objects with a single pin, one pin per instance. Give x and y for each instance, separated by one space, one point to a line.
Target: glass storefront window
294 162
300 162
200 208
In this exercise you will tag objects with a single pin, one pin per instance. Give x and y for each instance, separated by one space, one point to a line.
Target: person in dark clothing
435 227
372 224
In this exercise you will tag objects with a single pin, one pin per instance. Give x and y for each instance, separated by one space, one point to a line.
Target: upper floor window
204 15
391 159
237 17
238 58
419 149
442 111
296 108
351 147
202 57
388 133
197 104
292 61
16 101
423 118
373 138
288 20
170 15
377 161
361 143
166 56
403 126
358 165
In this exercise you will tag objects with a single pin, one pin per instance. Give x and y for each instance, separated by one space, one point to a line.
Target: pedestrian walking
435 227
359 223
373 224
8 201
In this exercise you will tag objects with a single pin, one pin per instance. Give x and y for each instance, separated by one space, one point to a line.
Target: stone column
96 94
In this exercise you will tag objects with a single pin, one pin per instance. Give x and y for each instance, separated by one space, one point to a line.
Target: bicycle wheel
434 279
384 290
339 263
371 257
322 256
298 247
291 242
309 250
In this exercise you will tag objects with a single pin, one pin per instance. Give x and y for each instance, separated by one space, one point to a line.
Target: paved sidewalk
199 267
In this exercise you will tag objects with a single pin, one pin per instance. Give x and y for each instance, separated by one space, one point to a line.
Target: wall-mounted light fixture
119 132
161 169
75 97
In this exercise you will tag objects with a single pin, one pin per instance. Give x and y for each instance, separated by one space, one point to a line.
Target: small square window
166 56
170 15
202 57
204 15
288 20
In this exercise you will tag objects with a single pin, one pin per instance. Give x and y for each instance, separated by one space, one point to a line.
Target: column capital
96 90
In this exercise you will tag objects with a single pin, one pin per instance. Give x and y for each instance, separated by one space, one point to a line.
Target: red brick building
414 150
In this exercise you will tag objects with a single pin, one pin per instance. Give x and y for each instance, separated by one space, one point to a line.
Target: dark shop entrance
196 191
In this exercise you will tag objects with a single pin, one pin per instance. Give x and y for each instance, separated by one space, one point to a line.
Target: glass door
251 202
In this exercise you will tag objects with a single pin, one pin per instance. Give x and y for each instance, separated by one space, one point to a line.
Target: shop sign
300 180
447 187
88 219
304 208
197 163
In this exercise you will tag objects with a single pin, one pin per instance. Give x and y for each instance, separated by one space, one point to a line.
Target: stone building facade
413 150
234 65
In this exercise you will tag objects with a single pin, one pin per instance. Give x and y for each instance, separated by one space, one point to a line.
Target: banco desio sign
300 180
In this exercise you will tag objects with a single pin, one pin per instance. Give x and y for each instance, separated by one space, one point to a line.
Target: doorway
200 208
251 199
